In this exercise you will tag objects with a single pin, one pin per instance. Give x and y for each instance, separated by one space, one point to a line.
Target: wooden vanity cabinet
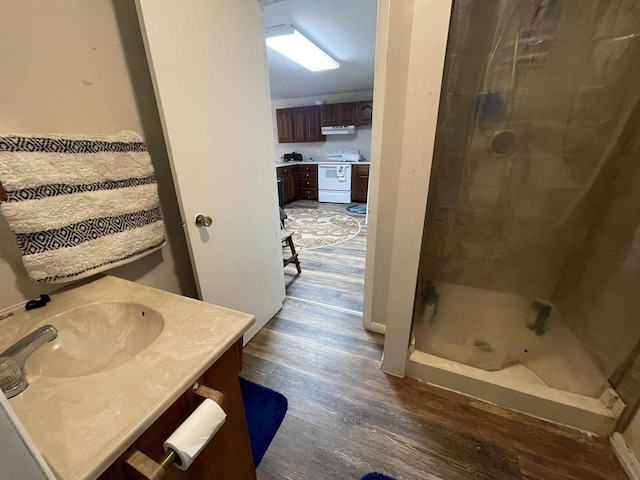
359 183
228 454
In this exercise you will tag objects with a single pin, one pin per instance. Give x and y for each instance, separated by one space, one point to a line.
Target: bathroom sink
95 338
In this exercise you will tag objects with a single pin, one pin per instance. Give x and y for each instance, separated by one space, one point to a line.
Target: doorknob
203 221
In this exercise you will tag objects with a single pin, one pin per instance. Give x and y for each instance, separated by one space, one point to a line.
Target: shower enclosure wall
530 260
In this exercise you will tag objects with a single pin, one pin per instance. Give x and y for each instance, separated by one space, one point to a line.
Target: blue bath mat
376 476
360 209
265 410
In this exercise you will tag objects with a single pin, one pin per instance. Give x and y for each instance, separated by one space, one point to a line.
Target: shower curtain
532 148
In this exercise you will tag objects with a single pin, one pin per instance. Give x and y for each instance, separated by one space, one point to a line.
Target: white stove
334 179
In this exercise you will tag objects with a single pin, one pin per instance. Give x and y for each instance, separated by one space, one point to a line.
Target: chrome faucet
12 360
23 348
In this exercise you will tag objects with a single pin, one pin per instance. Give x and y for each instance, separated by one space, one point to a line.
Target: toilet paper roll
195 432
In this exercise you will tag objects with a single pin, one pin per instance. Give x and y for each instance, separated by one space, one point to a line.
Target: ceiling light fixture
292 44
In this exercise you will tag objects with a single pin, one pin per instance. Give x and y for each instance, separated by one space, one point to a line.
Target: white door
209 68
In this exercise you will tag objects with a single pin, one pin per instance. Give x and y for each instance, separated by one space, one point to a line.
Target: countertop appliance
293 157
344 155
334 183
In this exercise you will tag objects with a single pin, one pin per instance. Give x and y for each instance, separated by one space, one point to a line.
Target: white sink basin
94 338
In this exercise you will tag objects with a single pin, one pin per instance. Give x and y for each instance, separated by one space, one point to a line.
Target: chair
287 239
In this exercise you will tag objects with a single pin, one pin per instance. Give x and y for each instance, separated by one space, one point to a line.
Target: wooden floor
335 274
346 417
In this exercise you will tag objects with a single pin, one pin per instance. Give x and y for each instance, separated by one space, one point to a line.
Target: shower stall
530 262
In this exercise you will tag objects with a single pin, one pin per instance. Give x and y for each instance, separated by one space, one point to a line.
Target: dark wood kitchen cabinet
313 130
290 182
295 185
364 113
329 115
359 183
284 121
304 124
338 114
347 112
298 181
308 181
286 175
299 124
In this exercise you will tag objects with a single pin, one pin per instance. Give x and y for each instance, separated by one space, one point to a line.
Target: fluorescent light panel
295 46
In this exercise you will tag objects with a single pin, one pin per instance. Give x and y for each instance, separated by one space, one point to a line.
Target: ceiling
345 29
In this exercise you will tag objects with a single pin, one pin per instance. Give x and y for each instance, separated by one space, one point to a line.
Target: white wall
361 140
71 66
413 44
392 58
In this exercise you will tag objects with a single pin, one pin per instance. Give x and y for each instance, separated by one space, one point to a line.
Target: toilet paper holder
149 469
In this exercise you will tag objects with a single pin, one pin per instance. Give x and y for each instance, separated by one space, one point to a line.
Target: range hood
348 130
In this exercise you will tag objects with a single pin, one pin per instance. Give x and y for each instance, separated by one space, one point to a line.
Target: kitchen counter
82 424
319 162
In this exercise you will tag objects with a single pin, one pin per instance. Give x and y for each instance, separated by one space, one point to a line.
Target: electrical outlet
319 153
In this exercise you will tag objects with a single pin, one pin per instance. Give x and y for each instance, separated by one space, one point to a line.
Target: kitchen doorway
322 138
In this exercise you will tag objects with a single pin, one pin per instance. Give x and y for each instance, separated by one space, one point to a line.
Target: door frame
411 43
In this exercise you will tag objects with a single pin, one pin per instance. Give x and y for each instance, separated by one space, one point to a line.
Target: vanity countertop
319 162
82 424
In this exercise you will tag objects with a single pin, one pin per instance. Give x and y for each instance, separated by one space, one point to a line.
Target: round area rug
319 228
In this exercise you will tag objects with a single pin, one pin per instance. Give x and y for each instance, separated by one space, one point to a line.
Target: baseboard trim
377 327
626 456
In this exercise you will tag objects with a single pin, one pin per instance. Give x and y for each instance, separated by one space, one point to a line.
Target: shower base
518 388
478 343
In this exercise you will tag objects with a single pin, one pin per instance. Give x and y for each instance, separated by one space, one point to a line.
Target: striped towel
79 205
